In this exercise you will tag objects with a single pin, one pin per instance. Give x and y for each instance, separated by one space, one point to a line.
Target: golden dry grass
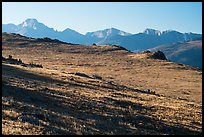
74 104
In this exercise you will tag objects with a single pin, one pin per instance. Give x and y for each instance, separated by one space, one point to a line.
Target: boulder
158 55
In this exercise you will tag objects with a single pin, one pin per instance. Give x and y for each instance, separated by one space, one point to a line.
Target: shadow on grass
68 113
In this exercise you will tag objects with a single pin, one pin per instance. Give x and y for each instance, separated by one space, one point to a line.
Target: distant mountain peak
68 30
152 32
31 20
108 32
72 32
112 28
30 23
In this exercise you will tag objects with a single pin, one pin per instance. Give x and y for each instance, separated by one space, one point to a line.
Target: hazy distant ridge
149 38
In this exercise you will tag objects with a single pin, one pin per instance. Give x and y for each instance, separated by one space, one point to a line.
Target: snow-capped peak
152 32
107 32
30 23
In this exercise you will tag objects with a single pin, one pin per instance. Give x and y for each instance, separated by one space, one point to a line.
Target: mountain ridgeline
148 39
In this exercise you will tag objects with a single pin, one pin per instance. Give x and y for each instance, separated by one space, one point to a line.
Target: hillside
95 90
189 53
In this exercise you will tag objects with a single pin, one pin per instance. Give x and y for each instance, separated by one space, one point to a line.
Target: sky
132 17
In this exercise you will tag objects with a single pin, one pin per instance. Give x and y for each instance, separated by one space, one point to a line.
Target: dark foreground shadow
69 113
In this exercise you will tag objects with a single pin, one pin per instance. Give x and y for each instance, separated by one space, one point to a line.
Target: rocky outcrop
158 55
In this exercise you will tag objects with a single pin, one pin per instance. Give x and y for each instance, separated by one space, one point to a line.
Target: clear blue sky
85 17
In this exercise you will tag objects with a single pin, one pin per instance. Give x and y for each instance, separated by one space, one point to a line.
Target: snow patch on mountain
152 32
107 32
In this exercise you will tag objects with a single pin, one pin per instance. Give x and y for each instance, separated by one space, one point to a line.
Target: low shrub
35 65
